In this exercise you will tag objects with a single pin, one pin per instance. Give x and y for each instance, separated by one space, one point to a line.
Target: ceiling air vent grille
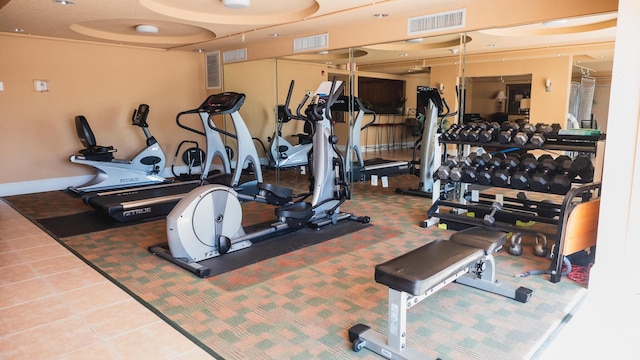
234 55
311 43
213 70
441 21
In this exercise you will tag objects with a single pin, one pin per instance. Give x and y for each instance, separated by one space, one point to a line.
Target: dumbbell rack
518 210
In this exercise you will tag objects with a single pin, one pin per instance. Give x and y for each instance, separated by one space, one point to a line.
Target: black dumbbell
490 219
490 133
485 175
520 179
526 131
509 129
463 134
456 171
474 135
541 180
583 168
542 130
501 177
480 161
560 183
444 170
447 135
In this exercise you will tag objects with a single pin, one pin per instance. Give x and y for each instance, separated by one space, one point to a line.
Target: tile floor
54 306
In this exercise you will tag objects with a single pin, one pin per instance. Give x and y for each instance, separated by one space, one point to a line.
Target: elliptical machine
426 147
144 169
283 154
208 221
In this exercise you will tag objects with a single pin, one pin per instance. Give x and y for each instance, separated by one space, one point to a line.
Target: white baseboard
35 186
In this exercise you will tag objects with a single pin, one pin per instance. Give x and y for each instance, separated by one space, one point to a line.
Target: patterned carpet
300 305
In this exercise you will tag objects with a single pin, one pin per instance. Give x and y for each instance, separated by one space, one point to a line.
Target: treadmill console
222 103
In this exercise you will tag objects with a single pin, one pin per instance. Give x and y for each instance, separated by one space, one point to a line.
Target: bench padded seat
489 240
429 265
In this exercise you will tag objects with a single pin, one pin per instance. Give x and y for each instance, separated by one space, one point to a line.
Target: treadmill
361 170
150 202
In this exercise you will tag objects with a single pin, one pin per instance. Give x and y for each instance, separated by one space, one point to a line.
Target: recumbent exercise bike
144 169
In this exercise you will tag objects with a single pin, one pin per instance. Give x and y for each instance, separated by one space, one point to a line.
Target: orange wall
104 83
546 107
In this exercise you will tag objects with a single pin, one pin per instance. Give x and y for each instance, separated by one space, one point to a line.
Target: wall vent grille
213 70
311 43
234 55
454 19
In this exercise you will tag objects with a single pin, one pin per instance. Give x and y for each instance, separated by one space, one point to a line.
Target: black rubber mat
267 248
80 223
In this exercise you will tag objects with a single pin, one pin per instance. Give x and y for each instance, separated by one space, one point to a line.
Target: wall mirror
518 55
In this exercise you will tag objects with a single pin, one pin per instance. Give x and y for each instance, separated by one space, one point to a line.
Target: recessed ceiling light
63 2
199 50
147 29
492 45
380 16
18 30
236 4
553 23
404 55
274 35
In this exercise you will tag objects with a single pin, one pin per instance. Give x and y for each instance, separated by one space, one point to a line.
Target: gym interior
80 282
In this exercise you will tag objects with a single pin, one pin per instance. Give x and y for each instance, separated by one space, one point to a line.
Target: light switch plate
40 85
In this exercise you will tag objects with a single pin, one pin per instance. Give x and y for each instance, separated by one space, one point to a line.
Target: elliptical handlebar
287 102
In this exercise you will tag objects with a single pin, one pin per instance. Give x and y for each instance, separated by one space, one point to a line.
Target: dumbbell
509 129
526 131
560 183
485 175
463 134
520 179
474 135
542 130
447 135
490 219
583 168
502 176
456 171
541 180
490 133
444 171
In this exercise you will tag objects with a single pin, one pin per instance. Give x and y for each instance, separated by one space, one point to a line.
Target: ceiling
205 25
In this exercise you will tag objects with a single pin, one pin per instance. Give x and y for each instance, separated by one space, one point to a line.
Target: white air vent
311 43
441 21
234 55
213 70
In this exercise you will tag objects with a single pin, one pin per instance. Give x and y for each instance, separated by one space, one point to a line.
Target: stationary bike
208 222
144 169
282 153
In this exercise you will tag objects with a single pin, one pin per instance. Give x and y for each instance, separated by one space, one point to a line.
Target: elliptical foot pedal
275 194
296 215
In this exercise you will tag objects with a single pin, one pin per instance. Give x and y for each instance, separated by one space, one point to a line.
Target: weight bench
465 258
